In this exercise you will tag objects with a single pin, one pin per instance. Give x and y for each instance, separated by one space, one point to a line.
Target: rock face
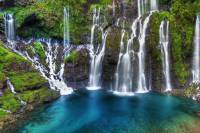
77 69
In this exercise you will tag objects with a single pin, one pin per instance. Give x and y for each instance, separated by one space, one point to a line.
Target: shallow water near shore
102 112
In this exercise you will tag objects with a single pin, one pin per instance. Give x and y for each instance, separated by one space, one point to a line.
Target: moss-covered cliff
181 16
30 87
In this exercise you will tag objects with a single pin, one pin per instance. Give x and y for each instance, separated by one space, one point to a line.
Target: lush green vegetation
45 18
182 20
41 95
9 102
72 56
8 59
26 80
28 83
3 114
39 50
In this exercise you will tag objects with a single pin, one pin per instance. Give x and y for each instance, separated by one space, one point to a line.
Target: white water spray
196 56
164 42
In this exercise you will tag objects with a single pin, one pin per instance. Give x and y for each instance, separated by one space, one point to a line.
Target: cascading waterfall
142 85
97 56
124 72
154 5
164 42
196 56
96 64
55 78
123 75
66 28
9 29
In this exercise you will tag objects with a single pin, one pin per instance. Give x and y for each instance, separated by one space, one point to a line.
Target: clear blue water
103 112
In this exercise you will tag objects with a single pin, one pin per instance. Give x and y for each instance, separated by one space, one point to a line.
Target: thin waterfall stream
196 55
9 24
164 42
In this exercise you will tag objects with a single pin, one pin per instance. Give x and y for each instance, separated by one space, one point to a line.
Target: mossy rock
42 95
191 91
26 81
39 50
3 114
71 57
9 101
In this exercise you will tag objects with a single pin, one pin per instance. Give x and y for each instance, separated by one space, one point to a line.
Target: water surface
103 112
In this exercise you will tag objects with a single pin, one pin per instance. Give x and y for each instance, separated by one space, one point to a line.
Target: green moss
190 91
182 20
49 16
7 58
30 50
2 76
9 102
23 81
72 56
39 96
39 50
3 114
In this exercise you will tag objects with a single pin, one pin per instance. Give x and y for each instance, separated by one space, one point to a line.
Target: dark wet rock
30 20
77 71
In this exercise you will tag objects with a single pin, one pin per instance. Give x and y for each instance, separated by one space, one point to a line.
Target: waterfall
9 28
154 5
123 75
10 86
196 56
140 7
97 56
49 72
124 72
113 8
96 64
164 42
142 86
66 28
